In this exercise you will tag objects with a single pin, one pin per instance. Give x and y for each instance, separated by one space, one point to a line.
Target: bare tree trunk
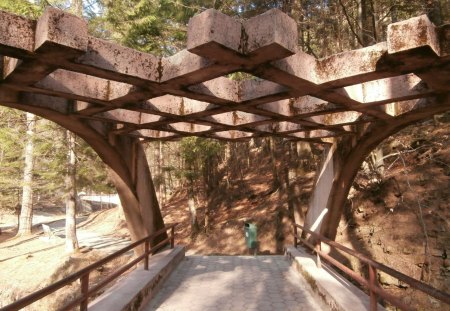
71 187
71 192
362 22
394 13
26 212
157 159
276 178
350 24
170 182
207 213
209 179
227 156
211 182
294 191
192 209
162 183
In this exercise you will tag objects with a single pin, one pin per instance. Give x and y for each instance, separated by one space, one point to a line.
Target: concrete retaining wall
136 290
335 290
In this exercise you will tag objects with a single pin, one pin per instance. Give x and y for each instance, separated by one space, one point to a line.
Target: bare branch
350 24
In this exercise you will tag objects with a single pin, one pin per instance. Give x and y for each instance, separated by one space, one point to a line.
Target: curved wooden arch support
124 156
342 159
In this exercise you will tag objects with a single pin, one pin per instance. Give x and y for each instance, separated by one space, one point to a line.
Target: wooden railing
372 284
83 274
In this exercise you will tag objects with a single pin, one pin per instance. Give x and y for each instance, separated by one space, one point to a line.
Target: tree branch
350 24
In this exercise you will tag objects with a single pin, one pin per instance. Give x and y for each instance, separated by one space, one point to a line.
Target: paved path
88 238
234 283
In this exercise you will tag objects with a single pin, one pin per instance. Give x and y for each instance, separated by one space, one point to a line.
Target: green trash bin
250 235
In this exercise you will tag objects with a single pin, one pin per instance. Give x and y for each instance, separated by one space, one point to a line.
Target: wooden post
84 292
172 237
372 284
295 236
147 248
319 263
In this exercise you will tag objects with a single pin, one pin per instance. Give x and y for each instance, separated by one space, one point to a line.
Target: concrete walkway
88 238
234 283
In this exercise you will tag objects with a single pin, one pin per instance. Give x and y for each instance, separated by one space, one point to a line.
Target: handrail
83 274
373 265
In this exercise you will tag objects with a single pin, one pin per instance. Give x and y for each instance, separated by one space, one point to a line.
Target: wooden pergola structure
116 97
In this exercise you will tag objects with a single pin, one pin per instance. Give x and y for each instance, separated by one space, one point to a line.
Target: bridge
100 198
115 98
91 202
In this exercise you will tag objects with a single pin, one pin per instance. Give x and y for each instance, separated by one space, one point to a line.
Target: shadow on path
234 283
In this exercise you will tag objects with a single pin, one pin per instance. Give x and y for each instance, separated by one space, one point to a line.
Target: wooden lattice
53 63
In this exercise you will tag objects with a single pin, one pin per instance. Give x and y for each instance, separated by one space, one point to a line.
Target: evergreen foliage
50 144
195 152
157 26
50 161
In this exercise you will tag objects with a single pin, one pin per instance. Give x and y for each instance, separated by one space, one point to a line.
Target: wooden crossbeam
53 63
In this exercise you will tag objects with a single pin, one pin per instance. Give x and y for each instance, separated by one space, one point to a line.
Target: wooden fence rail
372 284
83 274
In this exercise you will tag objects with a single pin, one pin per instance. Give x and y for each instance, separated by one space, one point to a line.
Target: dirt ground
33 262
404 220
250 200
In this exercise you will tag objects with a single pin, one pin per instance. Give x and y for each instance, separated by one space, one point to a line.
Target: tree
22 7
71 195
71 175
25 218
189 154
26 211
50 167
12 129
211 151
157 26
200 158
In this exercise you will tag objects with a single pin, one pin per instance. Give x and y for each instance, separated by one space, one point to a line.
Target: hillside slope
383 217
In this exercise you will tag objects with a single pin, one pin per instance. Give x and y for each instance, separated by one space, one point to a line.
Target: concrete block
336 291
221 87
56 27
16 32
140 286
44 101
301 106
184 66
272 31
76 84
411 34
169 105
213 30
252 89
105 57
352 66
300 65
